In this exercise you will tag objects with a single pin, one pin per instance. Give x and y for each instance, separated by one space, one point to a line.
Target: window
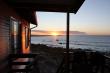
15 36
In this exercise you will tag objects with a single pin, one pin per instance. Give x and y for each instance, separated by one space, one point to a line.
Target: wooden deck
25 63
80 62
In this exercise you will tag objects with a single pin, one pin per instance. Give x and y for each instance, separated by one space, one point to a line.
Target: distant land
43 32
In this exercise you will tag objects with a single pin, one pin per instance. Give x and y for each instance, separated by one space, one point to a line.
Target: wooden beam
67 42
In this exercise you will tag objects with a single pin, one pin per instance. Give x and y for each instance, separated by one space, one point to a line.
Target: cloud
42 32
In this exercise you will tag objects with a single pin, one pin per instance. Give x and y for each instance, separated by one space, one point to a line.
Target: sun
54 33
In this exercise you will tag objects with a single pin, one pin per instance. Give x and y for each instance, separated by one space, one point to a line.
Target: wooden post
67 43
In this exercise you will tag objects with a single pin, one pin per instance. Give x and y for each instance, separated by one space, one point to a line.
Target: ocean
93 42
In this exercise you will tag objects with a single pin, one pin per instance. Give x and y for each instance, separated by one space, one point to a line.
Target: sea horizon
93 42
72 35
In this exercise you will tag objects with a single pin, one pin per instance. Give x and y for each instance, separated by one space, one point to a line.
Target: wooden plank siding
7 43
4 41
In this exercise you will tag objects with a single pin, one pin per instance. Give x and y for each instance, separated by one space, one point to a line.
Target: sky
93 18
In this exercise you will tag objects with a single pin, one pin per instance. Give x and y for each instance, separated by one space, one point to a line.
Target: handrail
108 57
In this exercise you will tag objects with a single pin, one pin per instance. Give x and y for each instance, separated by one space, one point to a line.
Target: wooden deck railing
103 67
107 62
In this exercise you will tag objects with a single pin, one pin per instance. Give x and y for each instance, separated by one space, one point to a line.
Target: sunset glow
88 19
54 33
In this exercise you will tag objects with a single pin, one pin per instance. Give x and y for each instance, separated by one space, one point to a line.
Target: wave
97 44
100 42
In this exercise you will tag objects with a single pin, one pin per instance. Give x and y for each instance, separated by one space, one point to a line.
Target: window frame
15 42
26 37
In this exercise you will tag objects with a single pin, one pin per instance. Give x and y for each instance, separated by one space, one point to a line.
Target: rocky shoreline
49 58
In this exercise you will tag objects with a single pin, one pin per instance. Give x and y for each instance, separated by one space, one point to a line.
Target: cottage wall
5 34
4 40
25 37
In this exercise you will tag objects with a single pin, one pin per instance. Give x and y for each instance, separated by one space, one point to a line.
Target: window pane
14 37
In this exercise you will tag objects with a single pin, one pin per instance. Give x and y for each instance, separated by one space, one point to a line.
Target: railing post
67 43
